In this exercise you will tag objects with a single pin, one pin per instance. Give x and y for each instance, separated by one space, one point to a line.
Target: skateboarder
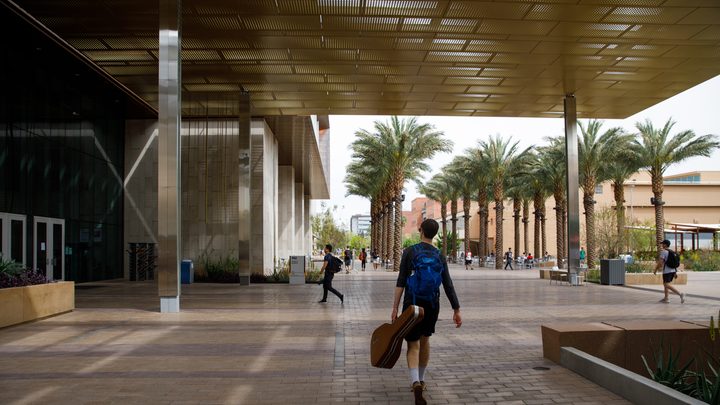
423 262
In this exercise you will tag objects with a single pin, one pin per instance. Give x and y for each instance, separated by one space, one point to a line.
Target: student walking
509 259
363 259
347 256
329 270
468 260
424 261
375 259
668 261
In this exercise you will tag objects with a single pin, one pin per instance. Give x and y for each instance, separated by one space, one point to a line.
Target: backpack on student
335 264
424 282
673 259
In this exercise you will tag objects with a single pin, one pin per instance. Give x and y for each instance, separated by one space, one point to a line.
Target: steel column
169 119
573 185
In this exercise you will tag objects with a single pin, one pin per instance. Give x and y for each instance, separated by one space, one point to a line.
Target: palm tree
454 182
437 189
502 156
618 173
461 167
659 150
526 221
595 151
401 147
477 171
550 174
517 189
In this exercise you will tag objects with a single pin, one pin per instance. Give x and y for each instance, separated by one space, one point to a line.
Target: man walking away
468 260
347 255
363 259
422 270
668 261
329 274
509 259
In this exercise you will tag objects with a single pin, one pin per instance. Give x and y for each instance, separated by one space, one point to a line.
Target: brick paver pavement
274 344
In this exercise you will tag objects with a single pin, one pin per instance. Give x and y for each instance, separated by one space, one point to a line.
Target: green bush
593 276
10 267
701 260
313 276
640 267
224 270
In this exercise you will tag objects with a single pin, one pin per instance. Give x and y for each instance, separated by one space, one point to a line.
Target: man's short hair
328 247
429 228
666 243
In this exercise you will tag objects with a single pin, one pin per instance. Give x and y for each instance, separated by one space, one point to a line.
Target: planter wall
25 304
649 278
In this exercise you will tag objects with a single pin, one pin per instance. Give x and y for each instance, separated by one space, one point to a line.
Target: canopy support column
169 118
573 185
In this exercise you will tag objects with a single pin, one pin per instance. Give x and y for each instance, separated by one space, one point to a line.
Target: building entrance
12 237
48 247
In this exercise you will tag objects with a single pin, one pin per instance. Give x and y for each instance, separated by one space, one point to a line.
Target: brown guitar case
386 342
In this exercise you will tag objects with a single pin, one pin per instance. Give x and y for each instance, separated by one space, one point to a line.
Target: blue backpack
424 282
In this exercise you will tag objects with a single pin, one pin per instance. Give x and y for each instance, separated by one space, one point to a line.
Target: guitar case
386 341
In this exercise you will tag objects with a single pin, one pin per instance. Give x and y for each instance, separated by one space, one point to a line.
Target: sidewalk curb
687 294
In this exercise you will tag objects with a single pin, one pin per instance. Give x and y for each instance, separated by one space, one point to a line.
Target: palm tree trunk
589 206
657 189
517 207
397 245
537 201
482 234
486 227
526 223
619 193
466 213
453 220
498 228
560 225
373 225
543 238
387 214
443 213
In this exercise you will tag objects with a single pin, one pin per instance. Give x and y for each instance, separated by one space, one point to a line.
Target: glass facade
61 153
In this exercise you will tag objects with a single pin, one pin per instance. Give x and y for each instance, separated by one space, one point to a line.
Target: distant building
360 224
421 209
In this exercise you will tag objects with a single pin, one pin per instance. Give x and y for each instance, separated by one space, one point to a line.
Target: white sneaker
682 298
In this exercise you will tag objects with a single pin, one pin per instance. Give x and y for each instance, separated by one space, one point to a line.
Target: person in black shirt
329 274
418 339
508 259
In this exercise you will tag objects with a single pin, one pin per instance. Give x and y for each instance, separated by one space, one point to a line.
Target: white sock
414 375
421 373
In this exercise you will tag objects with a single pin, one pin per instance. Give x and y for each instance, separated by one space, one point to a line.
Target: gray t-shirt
664 256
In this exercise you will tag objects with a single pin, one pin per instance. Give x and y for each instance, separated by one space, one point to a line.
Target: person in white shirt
468 260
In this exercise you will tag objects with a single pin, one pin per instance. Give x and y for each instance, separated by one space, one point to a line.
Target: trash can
297 269
187 275
612 272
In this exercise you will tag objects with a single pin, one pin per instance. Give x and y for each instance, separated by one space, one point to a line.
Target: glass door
12 237
49 247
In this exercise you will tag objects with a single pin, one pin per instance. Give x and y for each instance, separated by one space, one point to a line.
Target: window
599 189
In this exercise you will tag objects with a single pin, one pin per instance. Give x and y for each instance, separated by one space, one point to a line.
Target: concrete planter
649 278
25 304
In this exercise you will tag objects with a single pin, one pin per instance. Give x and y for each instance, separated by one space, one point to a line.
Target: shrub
313 276
225 270
640 267
593 276
14 275
701 260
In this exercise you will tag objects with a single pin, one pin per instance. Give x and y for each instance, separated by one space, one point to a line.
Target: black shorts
467 262
669 277
426 327
347 262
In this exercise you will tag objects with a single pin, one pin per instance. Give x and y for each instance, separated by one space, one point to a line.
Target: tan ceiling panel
676 32
458 57
360 23
566 12
601 30
491 45
649 15
483 9
451 57
119 55
513 27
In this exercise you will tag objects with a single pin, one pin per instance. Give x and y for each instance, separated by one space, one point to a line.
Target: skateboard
386 341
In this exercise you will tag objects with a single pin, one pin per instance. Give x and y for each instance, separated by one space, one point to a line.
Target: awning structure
412 57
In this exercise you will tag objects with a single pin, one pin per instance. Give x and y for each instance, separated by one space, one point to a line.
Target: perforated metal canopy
414 57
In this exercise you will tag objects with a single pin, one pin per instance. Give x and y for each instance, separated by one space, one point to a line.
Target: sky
697 108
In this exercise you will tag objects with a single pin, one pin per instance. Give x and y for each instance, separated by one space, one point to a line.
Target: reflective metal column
573 199
169 156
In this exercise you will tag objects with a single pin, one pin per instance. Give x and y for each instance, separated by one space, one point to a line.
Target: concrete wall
263 191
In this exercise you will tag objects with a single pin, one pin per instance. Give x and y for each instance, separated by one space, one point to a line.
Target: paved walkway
274 344
700 284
